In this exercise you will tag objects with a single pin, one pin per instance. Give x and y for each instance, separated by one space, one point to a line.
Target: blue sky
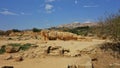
26 14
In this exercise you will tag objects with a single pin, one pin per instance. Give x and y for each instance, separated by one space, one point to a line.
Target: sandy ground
51 62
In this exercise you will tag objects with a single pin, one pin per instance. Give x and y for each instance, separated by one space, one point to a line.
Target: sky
28 14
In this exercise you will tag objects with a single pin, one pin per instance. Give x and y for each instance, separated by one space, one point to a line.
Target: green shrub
2 50
80 30
36 30
25 46
16 30
15 44
22 47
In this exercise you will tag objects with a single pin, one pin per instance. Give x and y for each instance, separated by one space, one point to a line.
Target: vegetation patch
15 45
2 50
36 30
25 46
113 48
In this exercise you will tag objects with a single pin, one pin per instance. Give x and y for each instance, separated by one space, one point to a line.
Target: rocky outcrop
57 35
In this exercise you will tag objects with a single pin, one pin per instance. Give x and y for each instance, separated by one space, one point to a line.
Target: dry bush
109 27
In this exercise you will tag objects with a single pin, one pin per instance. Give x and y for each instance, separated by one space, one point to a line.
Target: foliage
16 30
78 30
2 32
36 30
25 46
109 27
22 47
15 44
2 50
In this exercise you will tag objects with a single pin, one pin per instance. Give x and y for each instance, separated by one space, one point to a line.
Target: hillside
78 24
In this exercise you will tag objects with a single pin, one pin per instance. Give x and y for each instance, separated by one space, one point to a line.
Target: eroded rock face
54 35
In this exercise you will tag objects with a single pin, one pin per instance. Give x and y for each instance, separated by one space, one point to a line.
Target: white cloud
76 2
23 13
6 12
49 8
50 0
90 6
87 21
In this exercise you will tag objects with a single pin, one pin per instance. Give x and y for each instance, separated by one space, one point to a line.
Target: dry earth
51 61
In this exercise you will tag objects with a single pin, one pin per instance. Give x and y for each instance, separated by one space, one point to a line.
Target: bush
25 46
36 30
80 30
2 50
22 47
110 27
15 44
2 32
16 30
